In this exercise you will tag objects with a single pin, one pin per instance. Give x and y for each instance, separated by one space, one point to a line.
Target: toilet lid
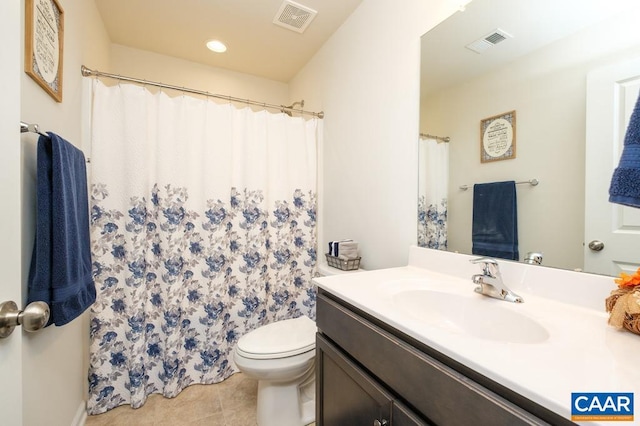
279 339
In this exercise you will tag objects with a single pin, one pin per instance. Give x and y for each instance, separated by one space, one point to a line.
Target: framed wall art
498 137
44 40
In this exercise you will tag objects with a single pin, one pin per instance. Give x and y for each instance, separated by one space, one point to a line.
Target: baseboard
81 415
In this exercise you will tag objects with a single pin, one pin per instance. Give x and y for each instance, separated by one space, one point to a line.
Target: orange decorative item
624 303
627 280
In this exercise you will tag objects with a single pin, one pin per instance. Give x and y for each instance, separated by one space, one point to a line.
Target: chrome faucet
533 258
490 281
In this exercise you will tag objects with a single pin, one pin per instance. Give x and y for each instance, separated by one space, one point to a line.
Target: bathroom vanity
416 346
368 372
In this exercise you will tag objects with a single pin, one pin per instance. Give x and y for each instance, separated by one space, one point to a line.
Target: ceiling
532 24
257 46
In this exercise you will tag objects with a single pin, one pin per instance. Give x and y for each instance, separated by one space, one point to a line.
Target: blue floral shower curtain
433 186
203 223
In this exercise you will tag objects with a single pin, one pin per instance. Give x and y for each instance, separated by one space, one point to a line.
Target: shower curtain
203 222
433 186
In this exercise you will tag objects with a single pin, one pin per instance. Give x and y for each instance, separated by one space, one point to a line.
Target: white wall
548 91
366 79
147 65
54 359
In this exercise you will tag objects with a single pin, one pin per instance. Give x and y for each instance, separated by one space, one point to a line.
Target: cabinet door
402 416
346 395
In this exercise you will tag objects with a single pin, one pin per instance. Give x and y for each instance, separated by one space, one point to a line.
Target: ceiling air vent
494 37
294 16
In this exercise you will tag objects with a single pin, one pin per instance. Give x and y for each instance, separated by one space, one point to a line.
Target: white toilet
281 356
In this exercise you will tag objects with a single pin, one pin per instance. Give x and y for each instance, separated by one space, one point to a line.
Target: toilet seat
280 339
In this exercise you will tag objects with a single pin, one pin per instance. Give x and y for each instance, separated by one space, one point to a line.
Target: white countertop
581 354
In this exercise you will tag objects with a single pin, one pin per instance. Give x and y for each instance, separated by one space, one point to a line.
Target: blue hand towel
60 272
625 183
495 220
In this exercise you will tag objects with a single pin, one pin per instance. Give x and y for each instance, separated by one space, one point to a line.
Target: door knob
34 317
596 245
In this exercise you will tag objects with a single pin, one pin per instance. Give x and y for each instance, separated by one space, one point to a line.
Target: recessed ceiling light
216 46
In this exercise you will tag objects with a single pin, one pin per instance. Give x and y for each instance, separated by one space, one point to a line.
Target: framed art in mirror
44 37
498 137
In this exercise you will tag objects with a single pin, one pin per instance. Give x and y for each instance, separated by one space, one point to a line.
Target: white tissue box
344 249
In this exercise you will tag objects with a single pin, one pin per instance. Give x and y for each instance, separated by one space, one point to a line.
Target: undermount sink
472 315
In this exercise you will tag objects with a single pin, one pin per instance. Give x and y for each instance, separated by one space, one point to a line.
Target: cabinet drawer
440 393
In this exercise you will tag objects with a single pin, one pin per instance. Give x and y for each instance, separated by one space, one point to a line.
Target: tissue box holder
343 264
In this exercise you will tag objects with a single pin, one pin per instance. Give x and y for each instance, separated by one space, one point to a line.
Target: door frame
10 223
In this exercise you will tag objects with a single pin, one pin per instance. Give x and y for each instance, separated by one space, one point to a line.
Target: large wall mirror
538 67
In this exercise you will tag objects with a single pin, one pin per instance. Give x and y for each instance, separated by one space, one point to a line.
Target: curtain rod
532 182
444 139
86 72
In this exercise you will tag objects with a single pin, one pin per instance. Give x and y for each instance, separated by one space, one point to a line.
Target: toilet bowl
281 356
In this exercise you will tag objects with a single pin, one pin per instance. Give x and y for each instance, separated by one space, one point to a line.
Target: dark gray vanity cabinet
368 373
349 396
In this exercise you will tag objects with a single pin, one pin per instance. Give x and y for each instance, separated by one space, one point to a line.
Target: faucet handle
484 260
534 258
490 265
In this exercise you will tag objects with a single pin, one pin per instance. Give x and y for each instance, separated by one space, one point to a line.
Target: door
346 395
611 96
10 248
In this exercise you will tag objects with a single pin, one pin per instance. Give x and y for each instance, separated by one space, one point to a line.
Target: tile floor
229 403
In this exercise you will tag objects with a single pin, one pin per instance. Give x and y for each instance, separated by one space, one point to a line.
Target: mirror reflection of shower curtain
433 185
203 222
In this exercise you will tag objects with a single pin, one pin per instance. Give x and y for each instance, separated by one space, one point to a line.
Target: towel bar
31 128
34 128
532 182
